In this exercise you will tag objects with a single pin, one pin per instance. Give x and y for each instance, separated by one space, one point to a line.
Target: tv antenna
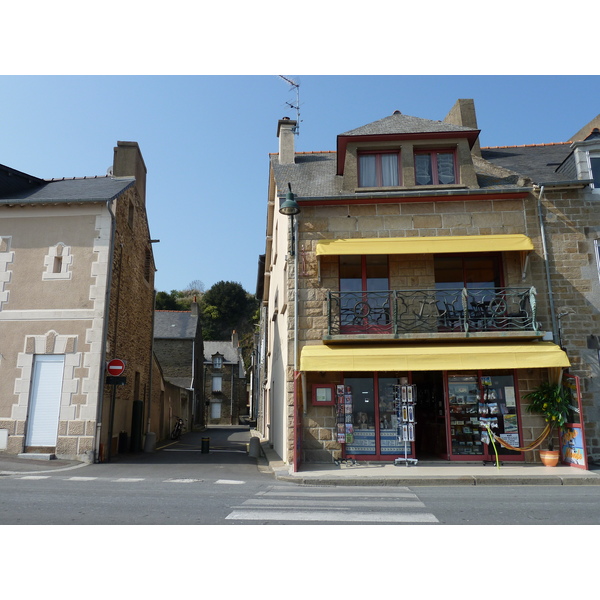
296 87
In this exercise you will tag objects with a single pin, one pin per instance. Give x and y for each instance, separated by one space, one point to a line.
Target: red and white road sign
115 367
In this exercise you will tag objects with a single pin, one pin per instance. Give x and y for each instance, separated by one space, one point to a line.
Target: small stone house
76 290
416 286
225 388
178 348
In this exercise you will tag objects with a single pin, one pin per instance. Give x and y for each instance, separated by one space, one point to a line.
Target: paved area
223 442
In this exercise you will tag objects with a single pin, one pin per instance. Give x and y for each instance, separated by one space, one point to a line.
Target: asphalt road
182 484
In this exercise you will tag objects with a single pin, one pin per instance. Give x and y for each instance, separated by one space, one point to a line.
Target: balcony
433 314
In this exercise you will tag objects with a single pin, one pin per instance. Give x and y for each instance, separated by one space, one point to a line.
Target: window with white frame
217 361
217 383
378 169
597 254
437 167
594 158
58 262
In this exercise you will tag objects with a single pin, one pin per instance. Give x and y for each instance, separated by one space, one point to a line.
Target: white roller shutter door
46 387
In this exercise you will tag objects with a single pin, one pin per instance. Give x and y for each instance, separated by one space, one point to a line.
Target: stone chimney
128 162
234 339
463 113
285 133
194 308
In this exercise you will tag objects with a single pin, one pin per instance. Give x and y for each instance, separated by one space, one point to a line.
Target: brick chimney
285 133
128 162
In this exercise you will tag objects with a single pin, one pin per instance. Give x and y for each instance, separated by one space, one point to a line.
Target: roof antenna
296 106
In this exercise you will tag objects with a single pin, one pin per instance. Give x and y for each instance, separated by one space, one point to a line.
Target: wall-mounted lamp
289 206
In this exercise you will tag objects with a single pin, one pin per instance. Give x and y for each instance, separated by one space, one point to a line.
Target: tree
224 308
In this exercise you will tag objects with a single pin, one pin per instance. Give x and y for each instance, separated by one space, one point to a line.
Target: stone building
178 347
413 289
225 387
76 290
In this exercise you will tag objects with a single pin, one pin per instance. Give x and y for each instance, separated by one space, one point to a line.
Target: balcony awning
426 245
432 357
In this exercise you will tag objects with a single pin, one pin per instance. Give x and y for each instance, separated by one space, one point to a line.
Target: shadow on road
225 445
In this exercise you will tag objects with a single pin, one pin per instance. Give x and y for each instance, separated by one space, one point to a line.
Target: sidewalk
428 473
425 473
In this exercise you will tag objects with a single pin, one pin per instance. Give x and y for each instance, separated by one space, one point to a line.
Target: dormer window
436 167
378 169
595 168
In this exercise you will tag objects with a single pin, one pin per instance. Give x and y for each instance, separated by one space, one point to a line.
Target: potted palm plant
552 401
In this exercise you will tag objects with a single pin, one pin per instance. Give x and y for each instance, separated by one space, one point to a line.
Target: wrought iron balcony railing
430 311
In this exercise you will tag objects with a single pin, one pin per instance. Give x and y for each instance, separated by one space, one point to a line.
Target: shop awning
426 245
432 357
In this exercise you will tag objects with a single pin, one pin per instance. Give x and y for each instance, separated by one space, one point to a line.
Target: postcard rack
405 399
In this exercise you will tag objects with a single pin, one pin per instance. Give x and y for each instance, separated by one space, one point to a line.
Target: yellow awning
432 357
425 245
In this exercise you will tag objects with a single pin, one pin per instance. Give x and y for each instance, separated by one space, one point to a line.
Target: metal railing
429 311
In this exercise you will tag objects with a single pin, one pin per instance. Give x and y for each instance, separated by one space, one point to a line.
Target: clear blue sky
206 141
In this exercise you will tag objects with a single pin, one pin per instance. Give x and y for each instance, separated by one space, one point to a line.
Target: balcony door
364 298
479 274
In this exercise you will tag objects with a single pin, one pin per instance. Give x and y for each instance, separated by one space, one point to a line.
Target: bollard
204 448
254 447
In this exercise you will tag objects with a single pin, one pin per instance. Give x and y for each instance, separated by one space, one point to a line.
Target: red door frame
488 454
377 456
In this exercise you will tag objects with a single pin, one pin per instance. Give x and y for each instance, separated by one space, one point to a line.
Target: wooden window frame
378 170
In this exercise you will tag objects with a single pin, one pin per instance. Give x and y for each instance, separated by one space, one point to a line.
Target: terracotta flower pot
549 457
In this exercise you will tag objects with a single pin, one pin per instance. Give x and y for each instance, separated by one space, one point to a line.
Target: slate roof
399 124
312 175
537 162
172 324
226 349
13 181
58 191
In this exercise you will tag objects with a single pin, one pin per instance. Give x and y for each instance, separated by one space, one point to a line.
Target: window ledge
452 186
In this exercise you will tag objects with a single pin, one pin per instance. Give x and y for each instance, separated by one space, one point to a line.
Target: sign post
114 368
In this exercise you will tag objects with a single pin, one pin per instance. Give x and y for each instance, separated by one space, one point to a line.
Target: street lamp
289 206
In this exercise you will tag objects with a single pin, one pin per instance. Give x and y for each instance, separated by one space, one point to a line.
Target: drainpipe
100 403
546 263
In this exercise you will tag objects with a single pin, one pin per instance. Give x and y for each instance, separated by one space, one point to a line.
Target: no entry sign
115 367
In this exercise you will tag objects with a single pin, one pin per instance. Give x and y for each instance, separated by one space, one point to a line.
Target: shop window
435 167
478 405
378 169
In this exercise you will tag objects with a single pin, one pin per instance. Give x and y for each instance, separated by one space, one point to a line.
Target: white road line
325 493
280 515
230 481
127 480
182 480
80 478
35 477
326 503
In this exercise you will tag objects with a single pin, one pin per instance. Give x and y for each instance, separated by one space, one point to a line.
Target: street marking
36 477
281 515
127 480
81 478
182 480
337 503
230 481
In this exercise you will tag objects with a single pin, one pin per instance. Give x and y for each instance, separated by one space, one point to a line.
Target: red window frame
378 168
433 156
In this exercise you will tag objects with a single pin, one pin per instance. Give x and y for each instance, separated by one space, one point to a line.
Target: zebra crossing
284 504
